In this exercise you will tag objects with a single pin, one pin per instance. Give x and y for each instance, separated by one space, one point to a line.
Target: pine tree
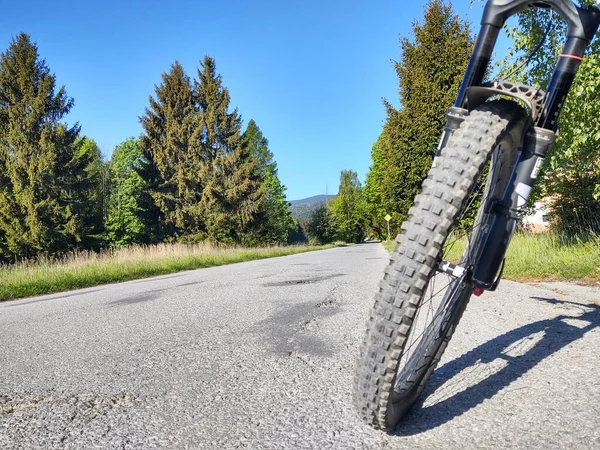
348 208
273 219
167 149
43 165
127 218
232 192
429 74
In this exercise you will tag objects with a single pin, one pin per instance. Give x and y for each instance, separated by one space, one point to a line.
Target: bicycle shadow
514 354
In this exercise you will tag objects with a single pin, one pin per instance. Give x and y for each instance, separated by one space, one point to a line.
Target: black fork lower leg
506 212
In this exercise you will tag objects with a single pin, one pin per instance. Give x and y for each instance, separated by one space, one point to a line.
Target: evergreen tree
385 183
167 149
93 194
374 208
348 208
296 232
232 192
259 147
429 73
44 167
273 220
127 216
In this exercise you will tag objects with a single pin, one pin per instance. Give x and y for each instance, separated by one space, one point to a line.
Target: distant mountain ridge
302 209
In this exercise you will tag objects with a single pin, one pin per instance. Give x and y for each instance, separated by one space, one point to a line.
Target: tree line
196 175
430 70
193 175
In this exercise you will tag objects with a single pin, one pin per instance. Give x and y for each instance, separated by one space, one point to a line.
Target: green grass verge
390 246
536 257
85 269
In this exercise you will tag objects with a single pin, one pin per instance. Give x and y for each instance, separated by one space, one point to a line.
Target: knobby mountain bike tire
412 320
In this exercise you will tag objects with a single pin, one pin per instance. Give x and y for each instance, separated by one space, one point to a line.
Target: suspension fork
536 143
582 24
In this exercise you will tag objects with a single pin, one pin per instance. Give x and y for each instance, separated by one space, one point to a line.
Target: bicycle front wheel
426 287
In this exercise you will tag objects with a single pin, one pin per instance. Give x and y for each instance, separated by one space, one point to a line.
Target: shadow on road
479 374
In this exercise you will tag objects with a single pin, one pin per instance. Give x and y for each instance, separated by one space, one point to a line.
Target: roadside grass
548 256
85 269
390 246
545 256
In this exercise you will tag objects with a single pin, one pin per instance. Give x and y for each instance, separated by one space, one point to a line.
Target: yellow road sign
388 218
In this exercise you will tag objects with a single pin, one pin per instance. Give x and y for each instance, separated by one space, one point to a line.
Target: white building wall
538 220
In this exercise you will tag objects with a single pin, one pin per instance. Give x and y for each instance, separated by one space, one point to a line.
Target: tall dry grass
81 269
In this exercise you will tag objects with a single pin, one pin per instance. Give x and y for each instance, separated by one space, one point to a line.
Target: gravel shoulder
260 355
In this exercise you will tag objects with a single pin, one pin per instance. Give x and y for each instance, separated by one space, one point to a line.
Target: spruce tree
93 193
232 192
166 145
429 74
273 219
44 168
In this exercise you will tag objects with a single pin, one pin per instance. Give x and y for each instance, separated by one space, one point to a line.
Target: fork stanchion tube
561 81
479 62
476 69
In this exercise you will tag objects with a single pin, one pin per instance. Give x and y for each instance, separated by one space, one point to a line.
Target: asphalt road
261 354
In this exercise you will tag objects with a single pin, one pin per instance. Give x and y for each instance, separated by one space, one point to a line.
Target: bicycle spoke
414 341
462 215
445 287
430 310
440 310
473 246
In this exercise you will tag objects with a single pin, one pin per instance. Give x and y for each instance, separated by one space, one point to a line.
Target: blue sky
311 73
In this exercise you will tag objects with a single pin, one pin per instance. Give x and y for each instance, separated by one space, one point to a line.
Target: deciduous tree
571 172
127 218
321 226
348 208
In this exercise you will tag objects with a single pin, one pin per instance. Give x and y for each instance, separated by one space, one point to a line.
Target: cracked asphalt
261 355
